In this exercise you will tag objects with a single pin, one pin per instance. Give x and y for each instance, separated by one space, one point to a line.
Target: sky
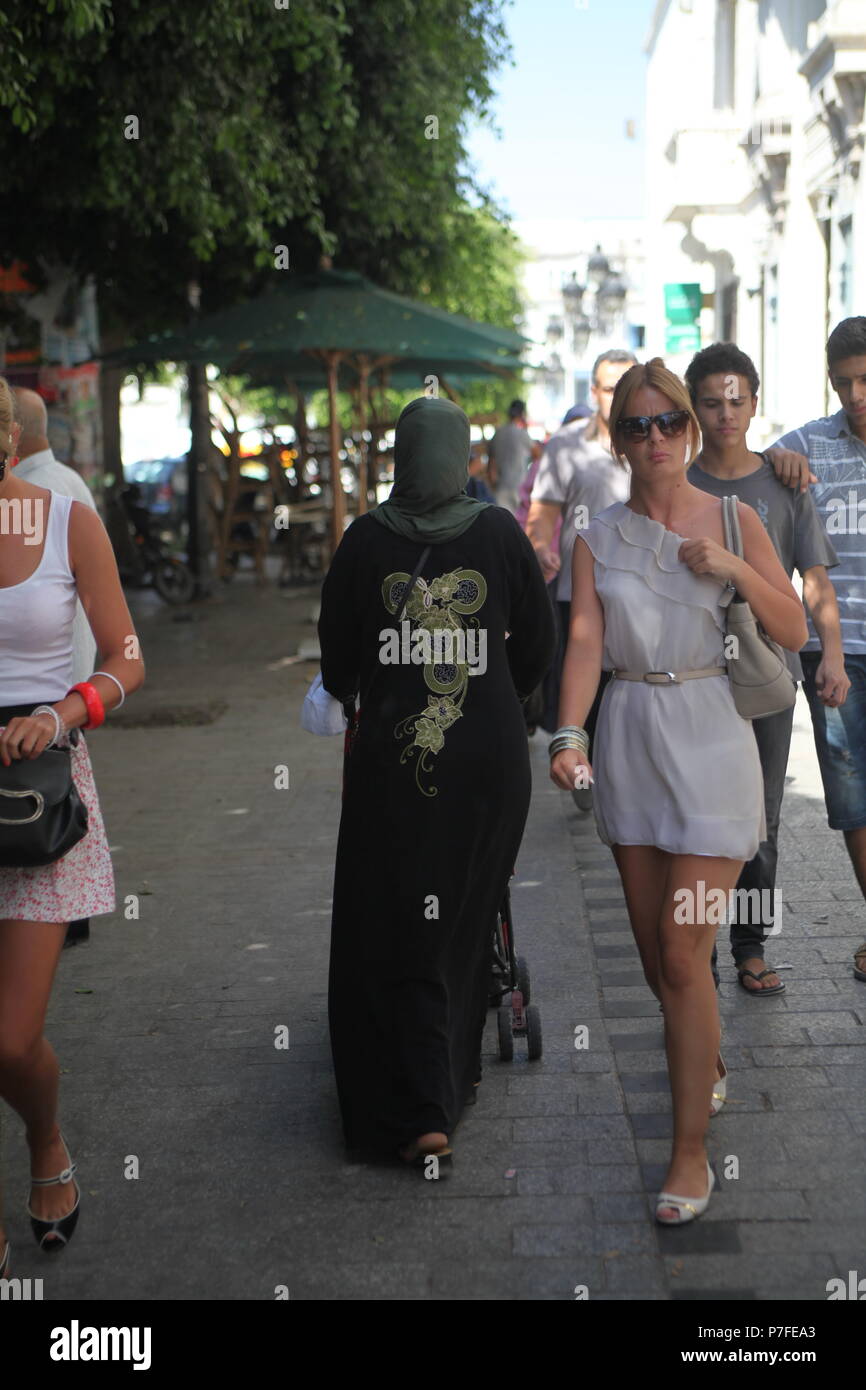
562 110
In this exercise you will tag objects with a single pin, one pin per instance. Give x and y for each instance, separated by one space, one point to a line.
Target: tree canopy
151 144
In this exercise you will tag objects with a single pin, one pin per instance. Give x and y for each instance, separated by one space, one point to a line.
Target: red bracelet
92 699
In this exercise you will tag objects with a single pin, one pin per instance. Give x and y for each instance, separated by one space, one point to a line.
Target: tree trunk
113 480
110 382
197 465
338 508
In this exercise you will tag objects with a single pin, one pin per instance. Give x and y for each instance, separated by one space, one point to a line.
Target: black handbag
41 812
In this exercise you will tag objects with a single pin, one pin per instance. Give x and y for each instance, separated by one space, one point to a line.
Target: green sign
682 337
682 303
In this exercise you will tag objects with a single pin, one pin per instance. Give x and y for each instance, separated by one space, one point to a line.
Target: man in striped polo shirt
835 447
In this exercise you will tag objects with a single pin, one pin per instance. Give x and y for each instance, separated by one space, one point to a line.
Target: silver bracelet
116 682
59 726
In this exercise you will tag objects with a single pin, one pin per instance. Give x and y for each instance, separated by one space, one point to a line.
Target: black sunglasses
672 423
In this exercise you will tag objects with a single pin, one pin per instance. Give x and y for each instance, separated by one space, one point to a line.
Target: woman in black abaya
437 782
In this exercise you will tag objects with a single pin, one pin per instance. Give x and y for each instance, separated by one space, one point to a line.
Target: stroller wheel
533 1033
523 978
506 1037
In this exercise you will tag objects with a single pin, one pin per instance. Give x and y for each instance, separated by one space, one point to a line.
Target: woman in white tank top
53 550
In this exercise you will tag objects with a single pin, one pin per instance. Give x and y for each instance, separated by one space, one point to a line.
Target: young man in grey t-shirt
509 455
723 385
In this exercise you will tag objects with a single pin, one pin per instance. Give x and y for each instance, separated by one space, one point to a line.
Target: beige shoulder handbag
761 683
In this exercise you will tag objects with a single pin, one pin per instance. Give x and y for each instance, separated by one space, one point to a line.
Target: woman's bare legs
643 870
29 1071
691 1010
676 959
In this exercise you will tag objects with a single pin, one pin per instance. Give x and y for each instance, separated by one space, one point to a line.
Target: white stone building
755 187
583 291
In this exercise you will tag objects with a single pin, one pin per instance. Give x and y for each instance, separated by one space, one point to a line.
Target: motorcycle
151 563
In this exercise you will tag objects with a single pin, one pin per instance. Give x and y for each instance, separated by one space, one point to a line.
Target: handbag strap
733 533
407 592
733 543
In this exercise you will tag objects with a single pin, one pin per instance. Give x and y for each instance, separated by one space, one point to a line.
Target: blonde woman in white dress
677 779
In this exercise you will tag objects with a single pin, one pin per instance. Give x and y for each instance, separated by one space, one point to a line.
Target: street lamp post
607 291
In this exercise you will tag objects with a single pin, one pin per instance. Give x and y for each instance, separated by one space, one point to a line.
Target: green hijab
431 454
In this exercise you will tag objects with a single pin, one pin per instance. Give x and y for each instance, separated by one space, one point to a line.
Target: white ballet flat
688 1207
720 1094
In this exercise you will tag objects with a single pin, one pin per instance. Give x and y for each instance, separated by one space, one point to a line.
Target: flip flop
776 989
858 973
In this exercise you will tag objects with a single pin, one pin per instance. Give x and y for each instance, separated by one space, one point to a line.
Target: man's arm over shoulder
789 457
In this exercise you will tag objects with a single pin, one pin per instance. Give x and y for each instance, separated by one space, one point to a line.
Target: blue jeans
773 736
840 742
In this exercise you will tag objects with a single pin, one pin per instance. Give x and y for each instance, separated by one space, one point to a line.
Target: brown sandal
860 970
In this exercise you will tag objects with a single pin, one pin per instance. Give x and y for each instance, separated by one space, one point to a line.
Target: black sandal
776 989
51 1236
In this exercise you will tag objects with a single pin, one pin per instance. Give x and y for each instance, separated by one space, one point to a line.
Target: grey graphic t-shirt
790 519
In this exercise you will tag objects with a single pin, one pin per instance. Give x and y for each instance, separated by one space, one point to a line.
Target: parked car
162 485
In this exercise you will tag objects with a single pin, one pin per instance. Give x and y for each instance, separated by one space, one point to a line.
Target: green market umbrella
336 319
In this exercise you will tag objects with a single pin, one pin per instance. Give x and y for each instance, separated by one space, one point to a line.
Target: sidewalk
166 1029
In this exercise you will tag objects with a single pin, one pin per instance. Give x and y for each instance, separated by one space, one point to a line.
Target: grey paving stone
584 1127
701 1238
647 1081
605 1151
536 1279
594 1239
601 1177
760 1207
801 1274
636 1042
795 1057
651 1126
620 1206
718 1295
361 1282
826 1233
641 1275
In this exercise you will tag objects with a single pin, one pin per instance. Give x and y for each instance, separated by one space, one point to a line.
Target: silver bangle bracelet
110 677
59 726
559 746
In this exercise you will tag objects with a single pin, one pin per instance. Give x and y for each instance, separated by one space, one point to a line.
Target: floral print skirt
81 884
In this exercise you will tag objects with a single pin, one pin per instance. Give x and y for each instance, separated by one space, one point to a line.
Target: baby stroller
509 975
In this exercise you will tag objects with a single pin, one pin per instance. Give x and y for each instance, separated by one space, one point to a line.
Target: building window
724 49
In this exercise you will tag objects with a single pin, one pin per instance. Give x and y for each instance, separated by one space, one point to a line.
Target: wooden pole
363 403
338 506
198 462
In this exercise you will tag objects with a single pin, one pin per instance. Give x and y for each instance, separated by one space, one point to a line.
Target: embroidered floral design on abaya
437 607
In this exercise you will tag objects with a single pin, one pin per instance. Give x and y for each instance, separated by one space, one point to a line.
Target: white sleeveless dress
36 625
674 766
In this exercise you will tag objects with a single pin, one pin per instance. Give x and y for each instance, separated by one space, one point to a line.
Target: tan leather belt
669 677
